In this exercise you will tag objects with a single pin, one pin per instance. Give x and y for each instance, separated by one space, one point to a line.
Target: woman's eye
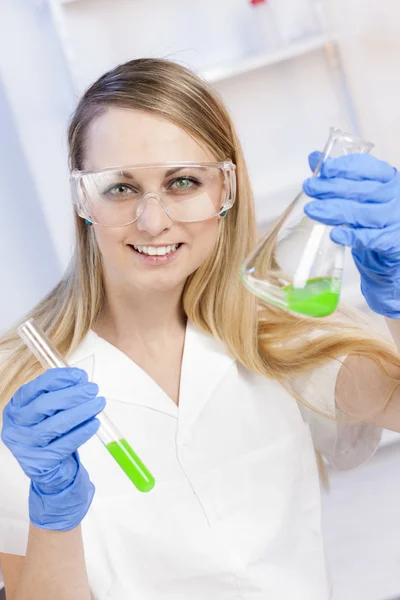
118 190
184 183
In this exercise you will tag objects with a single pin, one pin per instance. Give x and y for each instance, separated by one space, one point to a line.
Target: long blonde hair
265 339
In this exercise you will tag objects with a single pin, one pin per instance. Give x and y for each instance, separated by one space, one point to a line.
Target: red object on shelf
258 1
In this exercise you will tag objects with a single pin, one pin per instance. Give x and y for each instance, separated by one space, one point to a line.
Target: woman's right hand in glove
44 424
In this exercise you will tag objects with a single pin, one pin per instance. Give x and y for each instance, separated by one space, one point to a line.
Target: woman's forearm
54 567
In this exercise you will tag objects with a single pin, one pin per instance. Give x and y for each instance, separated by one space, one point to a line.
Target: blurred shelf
257 61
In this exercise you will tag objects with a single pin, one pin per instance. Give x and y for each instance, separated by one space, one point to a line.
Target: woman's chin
157 283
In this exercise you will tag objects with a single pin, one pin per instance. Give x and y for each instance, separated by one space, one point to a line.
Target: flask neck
341 143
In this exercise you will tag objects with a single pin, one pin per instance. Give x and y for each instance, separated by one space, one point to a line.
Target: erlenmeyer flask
296 265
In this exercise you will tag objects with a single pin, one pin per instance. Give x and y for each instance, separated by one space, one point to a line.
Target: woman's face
127 137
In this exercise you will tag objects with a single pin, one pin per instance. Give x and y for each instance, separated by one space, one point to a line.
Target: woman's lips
155 259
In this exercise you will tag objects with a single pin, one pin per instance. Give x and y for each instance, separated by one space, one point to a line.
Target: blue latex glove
43 425
360 195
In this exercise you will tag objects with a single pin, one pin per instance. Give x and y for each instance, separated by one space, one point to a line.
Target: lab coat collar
120 379
204 364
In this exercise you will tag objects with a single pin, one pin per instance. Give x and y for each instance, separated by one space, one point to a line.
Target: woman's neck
146 318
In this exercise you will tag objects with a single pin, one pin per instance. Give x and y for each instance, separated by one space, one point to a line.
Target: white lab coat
235 512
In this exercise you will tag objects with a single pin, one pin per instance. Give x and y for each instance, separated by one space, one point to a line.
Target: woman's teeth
160 251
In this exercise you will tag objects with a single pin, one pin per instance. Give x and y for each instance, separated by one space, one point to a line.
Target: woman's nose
153 218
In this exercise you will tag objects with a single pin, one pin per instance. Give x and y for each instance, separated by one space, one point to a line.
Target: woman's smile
157 255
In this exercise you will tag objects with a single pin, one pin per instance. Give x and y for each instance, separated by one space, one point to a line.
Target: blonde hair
265 339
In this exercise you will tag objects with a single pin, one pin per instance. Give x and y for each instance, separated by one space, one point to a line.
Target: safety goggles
187 191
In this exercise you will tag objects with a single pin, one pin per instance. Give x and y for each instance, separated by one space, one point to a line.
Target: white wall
28 263
41 98
371 51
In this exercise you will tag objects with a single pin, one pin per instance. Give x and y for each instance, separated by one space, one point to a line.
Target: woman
197 376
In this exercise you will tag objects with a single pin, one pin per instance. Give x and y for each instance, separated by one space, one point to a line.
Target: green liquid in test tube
131 464
115 443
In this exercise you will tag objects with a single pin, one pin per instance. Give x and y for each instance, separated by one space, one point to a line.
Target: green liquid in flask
319 298
135 469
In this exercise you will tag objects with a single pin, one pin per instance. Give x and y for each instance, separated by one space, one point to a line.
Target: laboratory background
288 70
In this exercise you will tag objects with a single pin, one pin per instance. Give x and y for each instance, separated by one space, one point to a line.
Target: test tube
116 444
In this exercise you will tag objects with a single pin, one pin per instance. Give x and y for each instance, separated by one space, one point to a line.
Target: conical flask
296 265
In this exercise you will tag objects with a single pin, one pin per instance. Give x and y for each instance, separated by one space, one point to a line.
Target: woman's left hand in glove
360 196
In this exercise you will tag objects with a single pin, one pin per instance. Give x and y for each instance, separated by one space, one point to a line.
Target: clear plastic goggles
187 191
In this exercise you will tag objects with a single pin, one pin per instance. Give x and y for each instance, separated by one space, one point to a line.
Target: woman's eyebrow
172 171
128 175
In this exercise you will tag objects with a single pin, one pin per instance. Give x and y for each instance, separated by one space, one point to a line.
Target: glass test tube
115 443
